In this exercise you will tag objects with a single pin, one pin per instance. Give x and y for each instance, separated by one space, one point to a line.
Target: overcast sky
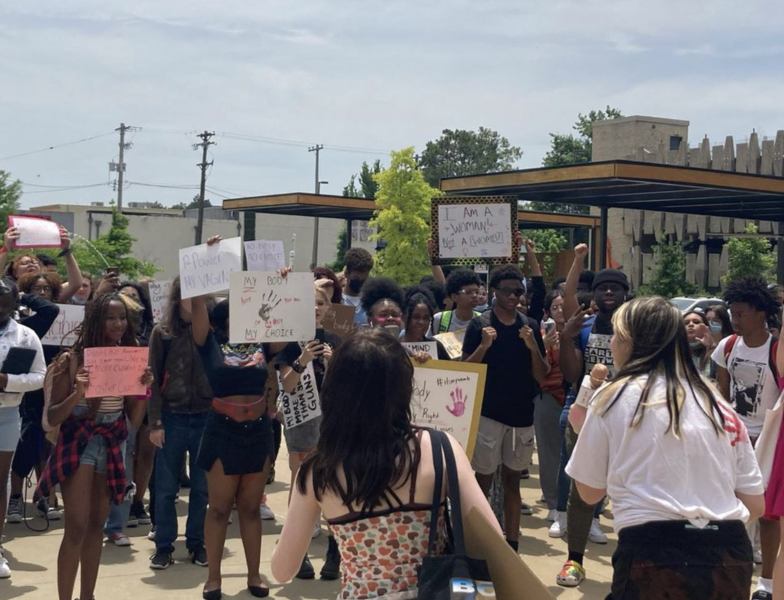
363 74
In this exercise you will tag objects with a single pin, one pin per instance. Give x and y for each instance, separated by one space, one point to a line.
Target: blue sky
370 74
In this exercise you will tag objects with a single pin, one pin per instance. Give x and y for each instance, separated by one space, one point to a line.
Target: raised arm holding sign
204 269
35 232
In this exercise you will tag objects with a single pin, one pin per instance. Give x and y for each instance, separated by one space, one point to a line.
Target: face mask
76 300
393 329
355 283
715 328
695 344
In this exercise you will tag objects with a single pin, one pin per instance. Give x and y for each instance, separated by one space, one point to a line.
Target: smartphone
549 326
113 271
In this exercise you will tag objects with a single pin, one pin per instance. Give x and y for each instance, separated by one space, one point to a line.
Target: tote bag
454 575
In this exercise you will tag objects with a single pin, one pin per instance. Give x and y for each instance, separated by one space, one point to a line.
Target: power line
56 146
298 143
67 189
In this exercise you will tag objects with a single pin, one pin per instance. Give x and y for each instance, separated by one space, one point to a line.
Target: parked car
687 304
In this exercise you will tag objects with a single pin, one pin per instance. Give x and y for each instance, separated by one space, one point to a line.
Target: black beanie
610 276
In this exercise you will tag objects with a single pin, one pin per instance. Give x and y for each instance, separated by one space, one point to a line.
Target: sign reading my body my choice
159 294
266 307
474 231
205 269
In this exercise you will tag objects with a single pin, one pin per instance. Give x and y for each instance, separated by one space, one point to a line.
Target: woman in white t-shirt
676 460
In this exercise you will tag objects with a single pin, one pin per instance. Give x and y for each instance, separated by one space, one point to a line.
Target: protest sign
448 396
35 232
453 342
303 404
159 295
266 307
63 330
205 269
115 371
466 229
265 255
430 347
339 319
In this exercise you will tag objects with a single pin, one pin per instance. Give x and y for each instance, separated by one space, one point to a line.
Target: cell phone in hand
549 326
113 271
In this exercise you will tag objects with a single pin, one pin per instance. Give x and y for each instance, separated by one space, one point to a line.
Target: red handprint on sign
459 403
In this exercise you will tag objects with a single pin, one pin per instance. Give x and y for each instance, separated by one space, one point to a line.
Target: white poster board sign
303 404
35 232
265 255
448 397
474 231
205 269
430 347
159 294
62 332
266 307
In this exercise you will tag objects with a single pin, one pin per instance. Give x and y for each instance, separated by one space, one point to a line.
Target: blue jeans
564 481
182 433
118 514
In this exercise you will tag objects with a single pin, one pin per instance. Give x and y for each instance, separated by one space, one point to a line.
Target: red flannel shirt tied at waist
74 436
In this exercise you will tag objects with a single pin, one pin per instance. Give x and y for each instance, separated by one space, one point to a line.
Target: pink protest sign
35 232
115 371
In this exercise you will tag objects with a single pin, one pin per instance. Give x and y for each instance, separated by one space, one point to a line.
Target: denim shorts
94 452
10 428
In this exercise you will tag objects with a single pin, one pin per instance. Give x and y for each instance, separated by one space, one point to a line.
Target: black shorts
683 561
32 449
242 446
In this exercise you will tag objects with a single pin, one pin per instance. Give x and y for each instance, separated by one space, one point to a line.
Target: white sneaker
5 571
558 528
758 557
119 539
151 535
552 515
525 509
596 535
266 513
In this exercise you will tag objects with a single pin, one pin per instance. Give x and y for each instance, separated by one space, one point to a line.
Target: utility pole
314 259
205 143
120 168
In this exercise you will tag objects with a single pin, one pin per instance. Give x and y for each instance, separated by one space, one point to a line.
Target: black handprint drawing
269 300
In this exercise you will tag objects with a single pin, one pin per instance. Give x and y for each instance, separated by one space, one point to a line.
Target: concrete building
160 233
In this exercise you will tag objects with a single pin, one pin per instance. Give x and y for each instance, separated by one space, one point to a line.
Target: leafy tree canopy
750 256
669 271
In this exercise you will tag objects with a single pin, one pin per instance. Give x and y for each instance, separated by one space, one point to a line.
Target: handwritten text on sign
159 295
448 396
63 330
35 232
205 269
115 371
474 231
303 404
265 255
430 348
266 307
339 319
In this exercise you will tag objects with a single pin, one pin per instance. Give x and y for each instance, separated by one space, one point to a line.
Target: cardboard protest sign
303 404
115 371
430 347
159 295
265 255
63 331
448 397
339 319
266 307
205 269
35 232
453 342
469 228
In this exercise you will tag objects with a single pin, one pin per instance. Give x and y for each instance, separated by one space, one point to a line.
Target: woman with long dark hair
372 475
87 460
420 306
676 460
700 339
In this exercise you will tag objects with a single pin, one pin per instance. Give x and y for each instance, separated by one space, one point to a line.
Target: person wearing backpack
462 287
512 348
748 378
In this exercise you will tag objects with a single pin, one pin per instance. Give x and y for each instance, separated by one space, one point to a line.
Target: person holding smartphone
294 360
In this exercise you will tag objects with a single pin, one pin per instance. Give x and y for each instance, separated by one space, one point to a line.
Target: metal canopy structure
635 185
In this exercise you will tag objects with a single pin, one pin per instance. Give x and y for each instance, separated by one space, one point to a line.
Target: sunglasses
507 291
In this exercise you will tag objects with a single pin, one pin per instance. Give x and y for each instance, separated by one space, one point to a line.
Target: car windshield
682 303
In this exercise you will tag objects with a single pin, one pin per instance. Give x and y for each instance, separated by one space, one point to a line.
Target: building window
675 142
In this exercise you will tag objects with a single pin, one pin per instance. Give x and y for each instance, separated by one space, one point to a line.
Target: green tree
460 152
367 186
340 251
750 256
549 242
116 247
403 219
192 204
573 149
10 193
669 271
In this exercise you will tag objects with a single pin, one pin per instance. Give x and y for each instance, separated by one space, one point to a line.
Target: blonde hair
653 331
324 294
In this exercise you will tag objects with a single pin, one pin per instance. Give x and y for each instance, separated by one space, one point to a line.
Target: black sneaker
271 476
42 506
198 556
139 514
761 595
331 569
161 560
525 474
306 571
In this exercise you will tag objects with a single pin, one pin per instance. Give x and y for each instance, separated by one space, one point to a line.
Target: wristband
65 252
297 366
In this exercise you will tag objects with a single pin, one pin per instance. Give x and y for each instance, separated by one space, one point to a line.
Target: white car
687 304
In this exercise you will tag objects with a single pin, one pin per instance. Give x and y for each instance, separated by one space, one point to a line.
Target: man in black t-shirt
511 346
